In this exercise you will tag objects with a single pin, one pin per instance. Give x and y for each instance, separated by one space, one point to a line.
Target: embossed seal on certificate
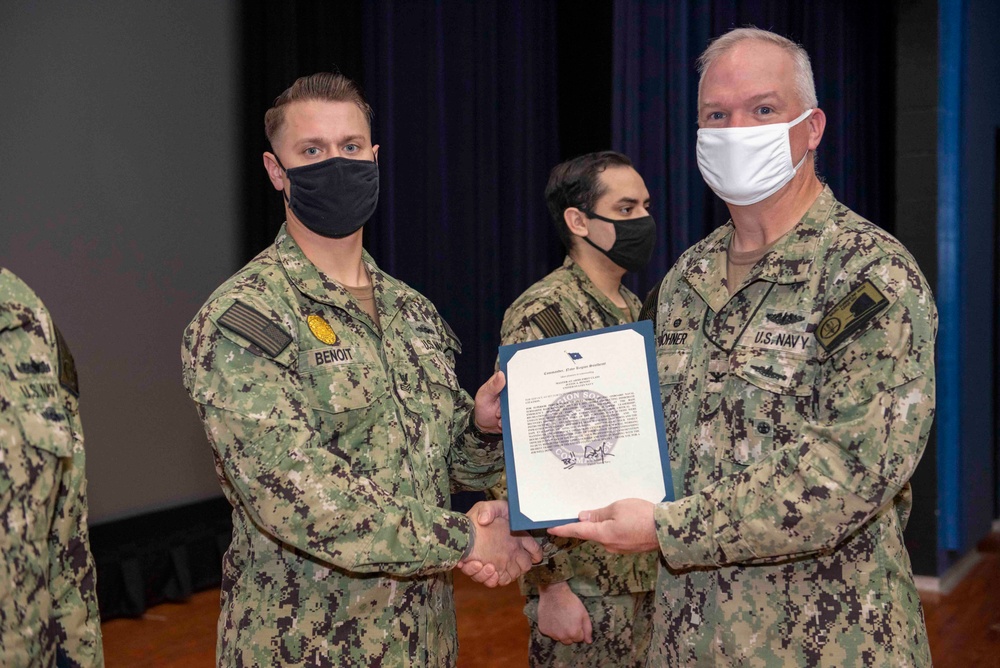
581 427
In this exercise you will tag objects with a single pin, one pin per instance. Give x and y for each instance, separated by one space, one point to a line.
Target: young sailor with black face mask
328 393
587 607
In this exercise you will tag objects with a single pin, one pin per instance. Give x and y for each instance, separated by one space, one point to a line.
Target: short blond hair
329 86
805 86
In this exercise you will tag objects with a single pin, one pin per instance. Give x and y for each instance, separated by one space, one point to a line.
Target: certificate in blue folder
583 424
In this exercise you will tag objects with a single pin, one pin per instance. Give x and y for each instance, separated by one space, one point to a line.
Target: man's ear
576 222
817 124
274 171
375 151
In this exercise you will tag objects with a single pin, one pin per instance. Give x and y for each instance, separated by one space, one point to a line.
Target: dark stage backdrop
655 91
466 116
476 101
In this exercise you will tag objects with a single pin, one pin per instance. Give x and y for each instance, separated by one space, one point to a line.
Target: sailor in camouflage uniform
338 424
48 601
586 606
798 392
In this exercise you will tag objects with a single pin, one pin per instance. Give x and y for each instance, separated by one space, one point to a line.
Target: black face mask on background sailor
634 241
335 197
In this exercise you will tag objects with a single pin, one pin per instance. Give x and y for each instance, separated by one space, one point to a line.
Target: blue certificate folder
518 520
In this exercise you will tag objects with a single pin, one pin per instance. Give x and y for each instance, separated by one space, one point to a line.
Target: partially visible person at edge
48 598
328 393
795 347
585 606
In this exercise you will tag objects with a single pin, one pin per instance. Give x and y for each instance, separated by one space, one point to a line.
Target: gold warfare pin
321 330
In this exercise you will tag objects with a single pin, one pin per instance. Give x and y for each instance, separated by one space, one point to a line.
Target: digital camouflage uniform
48 601
335 442
615 589
796 411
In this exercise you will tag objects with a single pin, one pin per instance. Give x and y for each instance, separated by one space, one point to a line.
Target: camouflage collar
310 281
789 261
792 256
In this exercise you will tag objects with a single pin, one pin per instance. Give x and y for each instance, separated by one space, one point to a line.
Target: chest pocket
347 400
434 373
437 377
772 395
672 367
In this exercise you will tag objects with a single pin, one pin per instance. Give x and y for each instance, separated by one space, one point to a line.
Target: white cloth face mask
748 164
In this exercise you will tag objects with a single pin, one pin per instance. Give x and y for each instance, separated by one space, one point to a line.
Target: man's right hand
498 556
562 615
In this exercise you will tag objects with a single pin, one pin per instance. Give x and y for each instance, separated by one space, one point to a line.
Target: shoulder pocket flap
249 328
46 427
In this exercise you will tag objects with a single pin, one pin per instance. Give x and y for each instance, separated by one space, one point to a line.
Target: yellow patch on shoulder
861 305
321 330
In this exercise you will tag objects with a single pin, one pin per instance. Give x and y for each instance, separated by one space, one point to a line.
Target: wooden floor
964 626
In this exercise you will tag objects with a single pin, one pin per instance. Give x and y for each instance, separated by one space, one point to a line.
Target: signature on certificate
596 455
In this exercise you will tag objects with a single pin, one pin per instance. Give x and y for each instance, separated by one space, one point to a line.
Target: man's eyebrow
764 96
324 140
771 94
627 200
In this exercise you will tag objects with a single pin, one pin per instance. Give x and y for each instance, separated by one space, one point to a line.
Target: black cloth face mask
335 197
634 240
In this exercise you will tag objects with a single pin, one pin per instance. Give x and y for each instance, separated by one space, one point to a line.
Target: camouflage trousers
622 625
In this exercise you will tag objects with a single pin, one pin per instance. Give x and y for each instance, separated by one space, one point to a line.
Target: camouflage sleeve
475 462
874 405
279 464
72 574
47 559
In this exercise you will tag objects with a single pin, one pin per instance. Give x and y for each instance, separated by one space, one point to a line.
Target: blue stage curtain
655 91
466 117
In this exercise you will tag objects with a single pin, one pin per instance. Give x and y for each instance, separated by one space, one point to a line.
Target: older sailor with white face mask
795 348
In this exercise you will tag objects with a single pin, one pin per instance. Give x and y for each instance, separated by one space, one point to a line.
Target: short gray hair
805 87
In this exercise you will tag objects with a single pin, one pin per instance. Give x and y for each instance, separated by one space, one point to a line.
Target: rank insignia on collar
321 330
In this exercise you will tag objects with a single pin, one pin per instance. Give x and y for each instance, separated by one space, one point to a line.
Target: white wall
118 205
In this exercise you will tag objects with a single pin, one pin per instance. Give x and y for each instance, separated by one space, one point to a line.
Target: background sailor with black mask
587 607
328 392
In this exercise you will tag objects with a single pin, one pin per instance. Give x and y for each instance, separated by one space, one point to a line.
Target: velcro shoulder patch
648 311
255 327
67 367
861 305
550 322
452 338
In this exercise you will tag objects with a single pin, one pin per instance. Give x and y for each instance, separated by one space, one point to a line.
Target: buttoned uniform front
796 411
336 456
48 599
616 589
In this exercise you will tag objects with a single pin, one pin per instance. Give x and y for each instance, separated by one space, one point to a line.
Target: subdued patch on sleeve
550 322
256 328
861 305
648 311
67 367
